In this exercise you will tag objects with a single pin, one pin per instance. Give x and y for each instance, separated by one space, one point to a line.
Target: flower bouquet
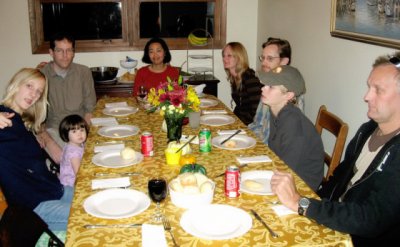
174 100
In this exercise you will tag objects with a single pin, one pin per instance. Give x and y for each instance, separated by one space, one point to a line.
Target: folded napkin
253 159
110 183
104 121
153 236
115 104
282 210
214 112
231 132
102 148
199 88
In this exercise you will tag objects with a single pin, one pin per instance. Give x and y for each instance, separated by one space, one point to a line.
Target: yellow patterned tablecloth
293 230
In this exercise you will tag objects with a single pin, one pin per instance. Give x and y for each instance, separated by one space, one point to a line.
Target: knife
112 226
227 139
102 174
186 143
273 234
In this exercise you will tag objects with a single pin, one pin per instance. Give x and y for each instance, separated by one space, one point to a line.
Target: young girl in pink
73 130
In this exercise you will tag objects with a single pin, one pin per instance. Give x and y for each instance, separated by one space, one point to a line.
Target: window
119 25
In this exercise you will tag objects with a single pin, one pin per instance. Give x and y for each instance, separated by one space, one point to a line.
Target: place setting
115 158
216 119
204 103
118 131
234 140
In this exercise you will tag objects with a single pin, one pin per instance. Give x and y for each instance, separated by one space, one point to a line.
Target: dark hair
71 122
283 47
61 36
146 58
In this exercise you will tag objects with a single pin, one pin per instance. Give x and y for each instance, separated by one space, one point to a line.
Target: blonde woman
24 177
245 86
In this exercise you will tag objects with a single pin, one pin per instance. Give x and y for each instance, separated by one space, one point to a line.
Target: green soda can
205 141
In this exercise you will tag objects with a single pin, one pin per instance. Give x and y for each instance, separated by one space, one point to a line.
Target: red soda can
232 181
146 141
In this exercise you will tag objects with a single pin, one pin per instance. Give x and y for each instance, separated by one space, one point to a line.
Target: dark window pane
85 21
172 19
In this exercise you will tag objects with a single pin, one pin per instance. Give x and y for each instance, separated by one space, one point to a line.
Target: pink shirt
148 79
67 174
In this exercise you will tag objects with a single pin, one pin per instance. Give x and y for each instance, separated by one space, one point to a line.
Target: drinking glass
157 191
142 92
194 119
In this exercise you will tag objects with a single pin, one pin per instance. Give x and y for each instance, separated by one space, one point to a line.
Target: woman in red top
156 53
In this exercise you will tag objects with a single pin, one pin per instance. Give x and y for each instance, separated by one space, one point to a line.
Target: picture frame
370 21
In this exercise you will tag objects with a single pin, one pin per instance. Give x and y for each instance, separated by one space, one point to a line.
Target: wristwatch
303 205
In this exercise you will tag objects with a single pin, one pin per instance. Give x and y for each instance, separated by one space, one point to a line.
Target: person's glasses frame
68 51
395 61
268 58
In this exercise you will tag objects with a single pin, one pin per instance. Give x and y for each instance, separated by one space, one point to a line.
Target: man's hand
5 119
282 184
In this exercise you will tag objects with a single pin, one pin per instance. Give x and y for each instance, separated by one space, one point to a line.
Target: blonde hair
240 53
35 115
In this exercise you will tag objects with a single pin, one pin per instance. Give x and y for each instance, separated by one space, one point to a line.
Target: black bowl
104 73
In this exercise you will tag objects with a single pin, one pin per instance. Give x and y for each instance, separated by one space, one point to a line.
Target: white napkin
102 148
115 104
110 183
153 236
104 121
253 159
282 210
231 132
214 112
199 88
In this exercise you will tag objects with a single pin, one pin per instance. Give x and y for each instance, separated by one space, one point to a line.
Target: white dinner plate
116 203
119 111
262 177
118 131
204 103
113 159
216 119
240 141
216 222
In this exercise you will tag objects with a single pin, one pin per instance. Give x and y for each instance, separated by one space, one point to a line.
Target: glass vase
174 127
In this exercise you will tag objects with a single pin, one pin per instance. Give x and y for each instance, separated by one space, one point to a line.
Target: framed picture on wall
370 21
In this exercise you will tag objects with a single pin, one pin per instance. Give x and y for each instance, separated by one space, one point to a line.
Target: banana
194 40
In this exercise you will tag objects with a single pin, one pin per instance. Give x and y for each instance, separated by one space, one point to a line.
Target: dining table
292 229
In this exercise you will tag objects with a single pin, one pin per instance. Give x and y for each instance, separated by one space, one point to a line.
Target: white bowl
183 200
128 65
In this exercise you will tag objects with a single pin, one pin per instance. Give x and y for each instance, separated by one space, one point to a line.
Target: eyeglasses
395 61
69 51
268 58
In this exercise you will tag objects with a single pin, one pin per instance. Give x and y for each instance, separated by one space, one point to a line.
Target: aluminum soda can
205 140
232 181
146 141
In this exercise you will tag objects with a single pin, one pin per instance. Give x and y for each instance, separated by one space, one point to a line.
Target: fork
167 227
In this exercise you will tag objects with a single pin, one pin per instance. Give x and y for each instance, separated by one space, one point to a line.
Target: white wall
15 45
335 70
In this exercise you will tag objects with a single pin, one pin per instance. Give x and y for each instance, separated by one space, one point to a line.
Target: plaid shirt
260 124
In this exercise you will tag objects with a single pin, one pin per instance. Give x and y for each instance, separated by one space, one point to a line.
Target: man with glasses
275 52
71 89
362 197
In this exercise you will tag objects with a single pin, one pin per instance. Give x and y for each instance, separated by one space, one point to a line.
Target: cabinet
200 53
114 90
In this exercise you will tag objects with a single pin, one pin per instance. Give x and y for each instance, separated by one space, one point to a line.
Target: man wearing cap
293 136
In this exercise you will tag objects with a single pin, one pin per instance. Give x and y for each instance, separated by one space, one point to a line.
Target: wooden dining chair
332 123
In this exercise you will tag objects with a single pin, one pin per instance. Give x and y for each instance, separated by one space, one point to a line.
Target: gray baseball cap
284 75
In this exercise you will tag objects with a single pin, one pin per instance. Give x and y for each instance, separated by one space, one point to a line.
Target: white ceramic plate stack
241 142
120 111
262 177
118 131
113 159
116 203
215 222
216 120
